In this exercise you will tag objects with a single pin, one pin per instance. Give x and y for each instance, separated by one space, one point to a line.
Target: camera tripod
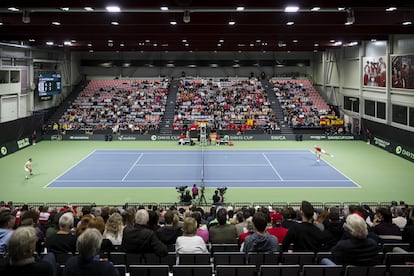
202 198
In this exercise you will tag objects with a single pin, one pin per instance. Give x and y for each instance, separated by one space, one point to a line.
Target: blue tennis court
218 168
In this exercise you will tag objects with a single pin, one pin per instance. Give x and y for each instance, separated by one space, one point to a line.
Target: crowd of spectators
302 105
237 105
127 104
354 234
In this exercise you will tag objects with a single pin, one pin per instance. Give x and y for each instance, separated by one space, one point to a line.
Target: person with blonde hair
190 242
358 250
113 229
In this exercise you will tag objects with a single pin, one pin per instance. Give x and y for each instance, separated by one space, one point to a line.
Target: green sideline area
383 177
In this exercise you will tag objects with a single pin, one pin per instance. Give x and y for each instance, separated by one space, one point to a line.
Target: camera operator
186 198
217 199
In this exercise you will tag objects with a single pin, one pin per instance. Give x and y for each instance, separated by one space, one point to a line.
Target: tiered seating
117 104
238 105
301 103
237 263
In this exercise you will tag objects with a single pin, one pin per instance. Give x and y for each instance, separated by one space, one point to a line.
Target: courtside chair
401 270
133 259
280 270
322 255
260 258
388 247
378 270
148 270
152 259
118 258
224 247
322 270
194 259
121 269
394 258
236 270
192 270
229 258
301 258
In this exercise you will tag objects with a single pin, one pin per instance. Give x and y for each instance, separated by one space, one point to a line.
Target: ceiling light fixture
292 9
113 9
164 8
232 22
390 9
173 22
240 9
88 8
315 8
407 23
290 23
115 23
13 9
65 9
56 23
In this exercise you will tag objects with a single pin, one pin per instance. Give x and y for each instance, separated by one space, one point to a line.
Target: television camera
222 190
182 190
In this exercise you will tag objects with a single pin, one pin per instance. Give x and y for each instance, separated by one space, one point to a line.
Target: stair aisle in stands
168 119
275 105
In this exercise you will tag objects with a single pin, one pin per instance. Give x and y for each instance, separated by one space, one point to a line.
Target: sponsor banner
22 143
176 137
404 152
397 149
3 150
382 143
328 137
10 147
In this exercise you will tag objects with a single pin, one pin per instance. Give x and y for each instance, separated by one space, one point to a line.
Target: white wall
8 108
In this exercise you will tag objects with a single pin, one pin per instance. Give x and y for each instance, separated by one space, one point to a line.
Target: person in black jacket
170 231
358 250
304 236
140 239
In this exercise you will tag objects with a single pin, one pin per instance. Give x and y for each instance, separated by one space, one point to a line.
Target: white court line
76 164
132 167
271 165
344 175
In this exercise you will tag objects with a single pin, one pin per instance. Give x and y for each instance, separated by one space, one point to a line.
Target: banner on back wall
10 147
233 138
397 149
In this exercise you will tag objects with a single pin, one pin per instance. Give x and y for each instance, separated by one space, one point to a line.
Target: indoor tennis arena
255 104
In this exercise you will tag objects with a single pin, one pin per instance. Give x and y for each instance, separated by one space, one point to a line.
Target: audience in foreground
358 250
88 261
260 241
22 260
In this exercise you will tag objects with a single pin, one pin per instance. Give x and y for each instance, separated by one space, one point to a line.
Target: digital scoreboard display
49 84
